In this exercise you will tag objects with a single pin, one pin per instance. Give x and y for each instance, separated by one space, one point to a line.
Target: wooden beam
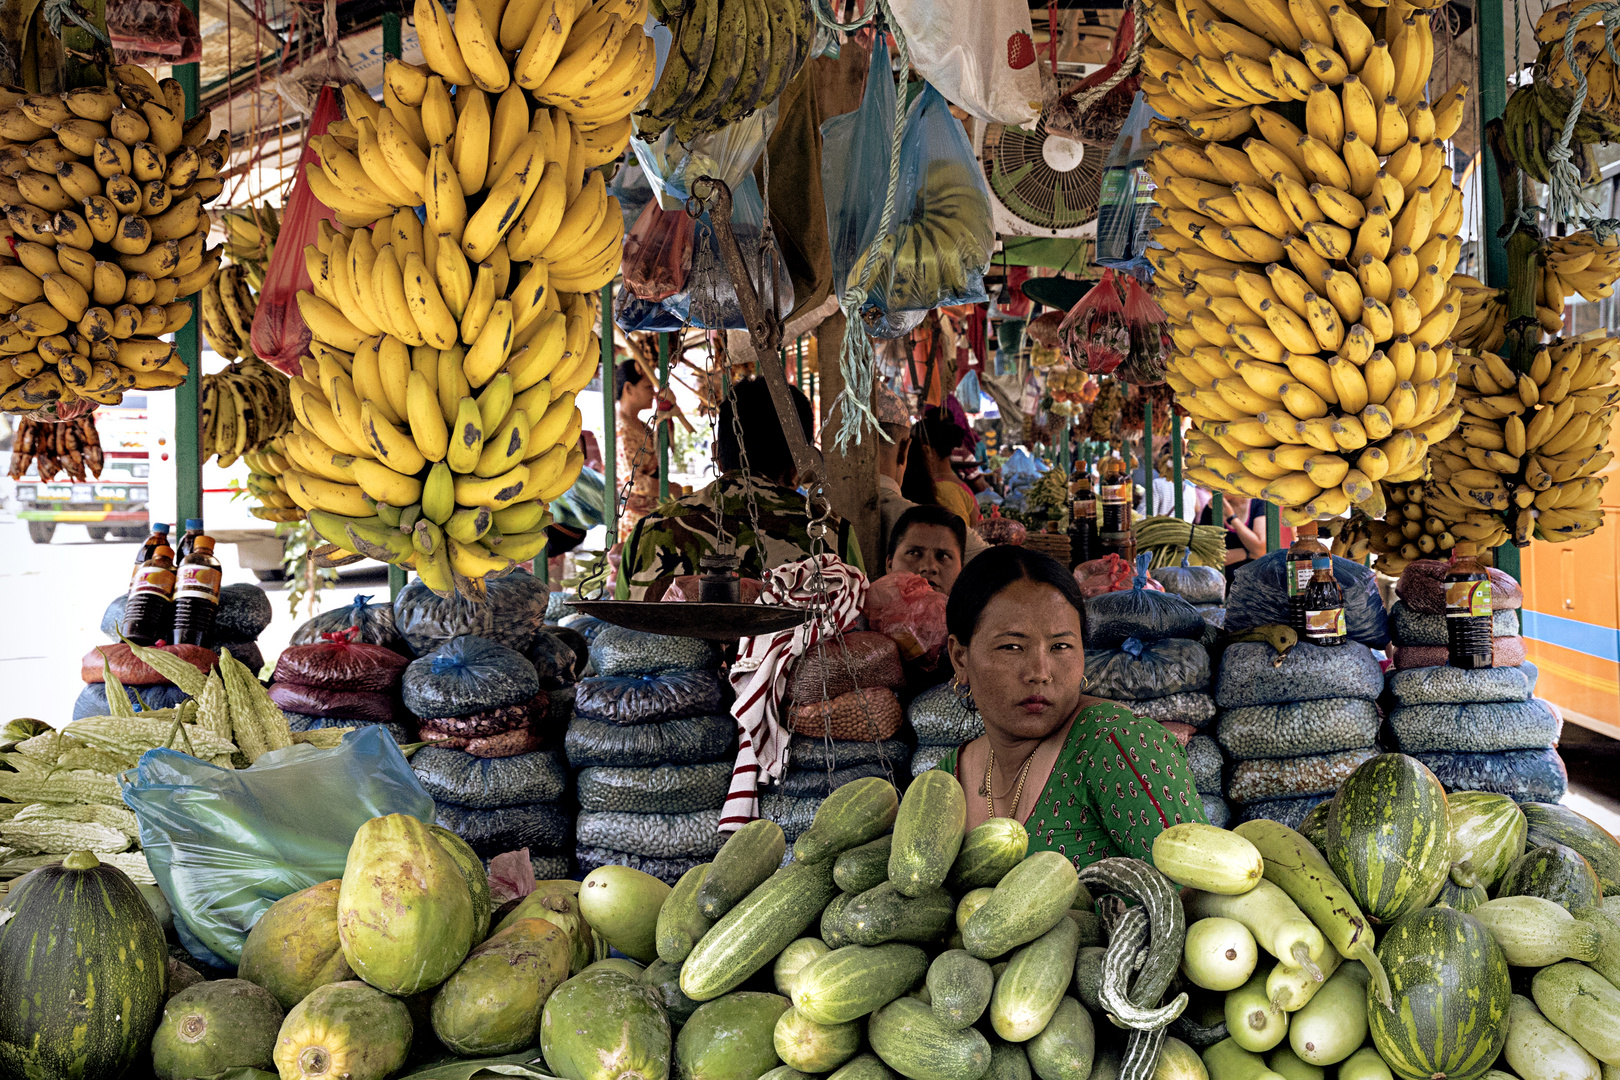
852 476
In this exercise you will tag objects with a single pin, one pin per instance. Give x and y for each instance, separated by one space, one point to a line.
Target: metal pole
1064 455
393 50
1493 93
1175 459
188 395
1273 528
798 375
663 429
1147 456
610 450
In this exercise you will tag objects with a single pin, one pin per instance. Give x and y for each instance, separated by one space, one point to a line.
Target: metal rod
1147 456
798 377
1493 92
188 395
1175 459
1273 528
1064 455
610 447
663 429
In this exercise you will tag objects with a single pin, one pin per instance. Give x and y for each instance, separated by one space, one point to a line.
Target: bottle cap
1321 562
204 543
163 551
160 527
193 523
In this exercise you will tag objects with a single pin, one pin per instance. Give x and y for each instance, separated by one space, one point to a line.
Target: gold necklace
1018 790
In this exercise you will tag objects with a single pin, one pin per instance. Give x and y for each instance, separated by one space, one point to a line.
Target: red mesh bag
153 32
1505 652
1108 574
858 660
1150 337
658 252
995 529
332 704
1422 587
1095 335
133 672
341 662
684 589
279 333
908 609
862 716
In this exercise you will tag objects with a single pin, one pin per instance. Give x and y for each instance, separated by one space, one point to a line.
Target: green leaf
454 1068
118 703
171 667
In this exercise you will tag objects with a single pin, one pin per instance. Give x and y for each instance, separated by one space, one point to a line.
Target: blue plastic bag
1125 218
968 392
225 844
855 164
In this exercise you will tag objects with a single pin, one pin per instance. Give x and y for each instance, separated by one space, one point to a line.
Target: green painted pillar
1175 459
1064 453
663 429
798 377
1273 528
392 49
188 340
1217 508
1147 456
610 447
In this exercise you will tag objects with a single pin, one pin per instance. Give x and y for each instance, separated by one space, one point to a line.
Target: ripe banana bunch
1409 530
267 468
250 240
244 407
729 58
433 441
1525 461
949 235
1483 324
1579 263
228 305
1533 123
103 190
1306 271
1555 83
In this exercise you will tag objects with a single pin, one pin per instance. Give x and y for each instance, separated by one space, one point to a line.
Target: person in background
1088 778
637 443
929 477
931 542
1244 542
893 449
671 541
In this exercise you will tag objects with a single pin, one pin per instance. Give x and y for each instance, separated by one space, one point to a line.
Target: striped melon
1452 994
1552 824
1387 836
1487 833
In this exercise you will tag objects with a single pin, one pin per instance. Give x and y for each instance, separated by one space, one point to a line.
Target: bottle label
1468 599
1116 493
1085 508
153 581
1300 573
1328 623
198 583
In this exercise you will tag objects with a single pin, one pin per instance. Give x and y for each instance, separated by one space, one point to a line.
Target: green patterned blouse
1119 781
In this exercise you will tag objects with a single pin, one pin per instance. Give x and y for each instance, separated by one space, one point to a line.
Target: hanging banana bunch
250 240
434 418
267 468
104 190
1307 272
1407 531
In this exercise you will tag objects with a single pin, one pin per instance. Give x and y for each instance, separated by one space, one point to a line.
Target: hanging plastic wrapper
981 55
968 392
1095 337
1150 337
658 252
153 32
855 167
279 334
1125 205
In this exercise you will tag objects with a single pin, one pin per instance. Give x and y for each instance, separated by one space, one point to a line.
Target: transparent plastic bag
1125 211
225 844
658 252
981 55
710 299
854 163
968 392
1095 336
279 334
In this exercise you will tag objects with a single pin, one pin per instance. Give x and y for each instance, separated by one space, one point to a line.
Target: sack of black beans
1207 763
490 783
648 699
1290 812
675 742
1290 729
375 622
1522 775
468 674
1488 728
808 752
1296 777
819 783
554 660
1259 596
1139 612
929 757
1410 627
541 827
509 613
663 836
663 789
1252 673
669 871
1140 670
943 717
1445 685
618 651
1192 707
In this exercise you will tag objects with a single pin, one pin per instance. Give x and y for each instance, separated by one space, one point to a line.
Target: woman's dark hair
929 515
625 373
992 571
936 432
768 454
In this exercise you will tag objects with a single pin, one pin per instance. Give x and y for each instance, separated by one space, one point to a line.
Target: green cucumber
884 913
959 987
833 931
864 867
1276 922
864 1066
680 924
750 935
1226 1060
855 814
851 982
1294 865
1287 1064
1583 1004
1065 1047
1088 965
910 1041
971 903
1291 988
1026 903
1365 1064
1203 857
1031 989
786 1072
815 1048
1008 1061
1251 1020
927 833
988 852
1178 1061
1219 954
1333 1024
794 959
752 854
1536 1050
1535 932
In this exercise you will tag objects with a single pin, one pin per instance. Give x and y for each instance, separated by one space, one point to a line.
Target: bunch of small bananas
1533 123
1525 460
948 235
1408 530
244 407
1579 263
250 240
1555 83
1066 386
1306 272
228 306
1483 325
103 190
267 466
729 58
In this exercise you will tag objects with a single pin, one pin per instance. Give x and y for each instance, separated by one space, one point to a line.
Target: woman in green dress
1089 779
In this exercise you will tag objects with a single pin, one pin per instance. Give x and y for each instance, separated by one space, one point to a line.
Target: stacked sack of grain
1184 712
1478 730
510 613
942 720
847 723
907 608
146 687
243 614
341 682
373 624
484 699
652 744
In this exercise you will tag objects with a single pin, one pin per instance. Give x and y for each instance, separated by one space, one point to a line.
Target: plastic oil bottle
1468 611
1114 497
196 594
1301 569
1324 605
194 529
1083 518
159 538
149 611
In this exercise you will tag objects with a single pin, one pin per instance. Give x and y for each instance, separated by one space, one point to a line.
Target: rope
1083 101
57 10
1565 203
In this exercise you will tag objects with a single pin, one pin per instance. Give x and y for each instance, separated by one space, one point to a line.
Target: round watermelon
1450 983
1487 833
1387 836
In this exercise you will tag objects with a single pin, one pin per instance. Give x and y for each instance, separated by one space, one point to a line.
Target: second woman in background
929 477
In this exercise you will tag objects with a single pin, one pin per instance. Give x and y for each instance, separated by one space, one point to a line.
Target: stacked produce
448 349
847 723
103 189
341 682
1480 729
250 239
909 610
242 615
650 694
1306 272
943 720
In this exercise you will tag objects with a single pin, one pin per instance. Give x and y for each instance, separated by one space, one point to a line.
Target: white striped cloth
760 675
